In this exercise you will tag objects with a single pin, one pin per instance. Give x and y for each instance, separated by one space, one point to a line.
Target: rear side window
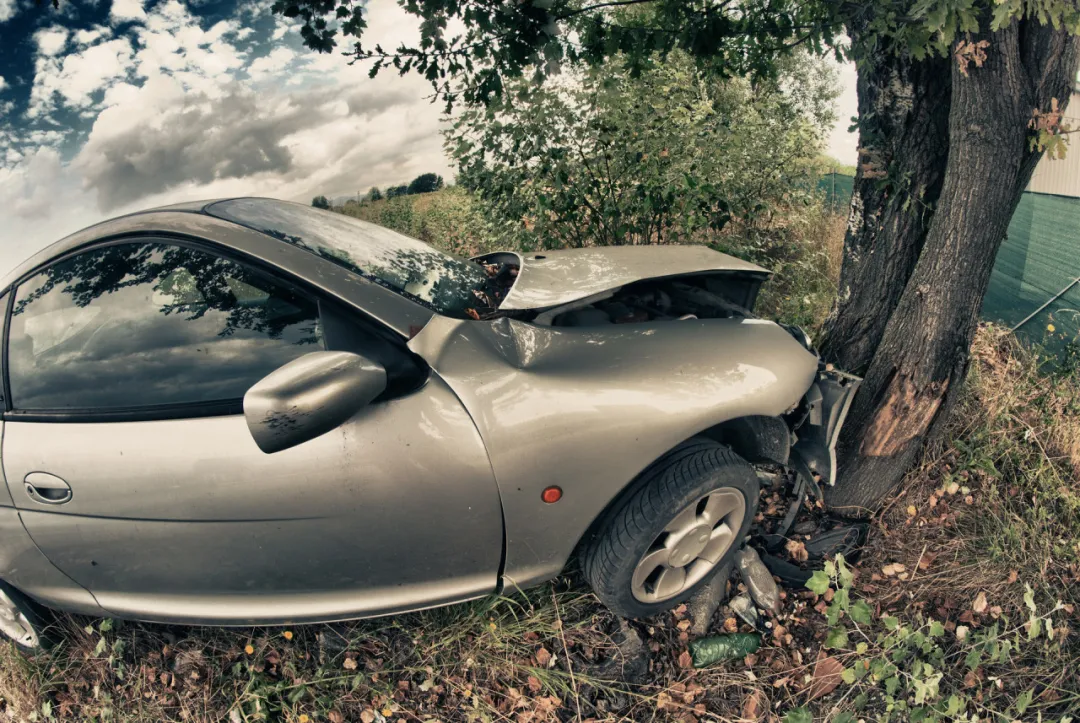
148 324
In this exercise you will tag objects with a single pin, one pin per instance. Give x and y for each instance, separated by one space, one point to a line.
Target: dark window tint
144 324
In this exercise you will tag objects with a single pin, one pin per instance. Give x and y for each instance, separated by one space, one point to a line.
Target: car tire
675 518
17 610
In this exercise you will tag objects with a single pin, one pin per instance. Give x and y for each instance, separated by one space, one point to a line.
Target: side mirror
310 396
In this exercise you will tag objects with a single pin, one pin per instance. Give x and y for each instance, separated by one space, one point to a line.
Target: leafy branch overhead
469 49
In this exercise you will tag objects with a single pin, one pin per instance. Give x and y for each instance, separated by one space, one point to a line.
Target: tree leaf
818 582
1023 701
860 612
799 715
837 638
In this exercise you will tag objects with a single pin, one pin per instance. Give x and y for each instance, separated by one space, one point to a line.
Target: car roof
87 235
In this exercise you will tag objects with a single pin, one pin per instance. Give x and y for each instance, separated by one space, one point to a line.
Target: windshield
445 283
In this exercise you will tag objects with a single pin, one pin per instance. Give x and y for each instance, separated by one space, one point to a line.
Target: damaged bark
917 370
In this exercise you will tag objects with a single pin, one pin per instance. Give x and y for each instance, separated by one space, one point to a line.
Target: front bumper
826 403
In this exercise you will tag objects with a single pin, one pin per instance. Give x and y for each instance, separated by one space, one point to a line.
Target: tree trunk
919 367
903 148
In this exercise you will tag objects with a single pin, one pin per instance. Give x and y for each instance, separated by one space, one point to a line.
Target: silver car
254 412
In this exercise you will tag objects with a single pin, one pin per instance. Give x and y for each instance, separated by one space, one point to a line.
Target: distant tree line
424 183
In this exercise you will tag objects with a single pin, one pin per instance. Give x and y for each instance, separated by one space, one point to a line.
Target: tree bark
918 369
903 148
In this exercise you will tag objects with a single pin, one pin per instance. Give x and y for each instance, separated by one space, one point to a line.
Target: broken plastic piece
717 648
743 606
758 579
846 540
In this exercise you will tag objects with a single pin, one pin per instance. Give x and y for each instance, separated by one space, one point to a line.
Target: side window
145 324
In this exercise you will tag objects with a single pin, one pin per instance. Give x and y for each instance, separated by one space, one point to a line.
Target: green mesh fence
1039 259
1032 283
837 189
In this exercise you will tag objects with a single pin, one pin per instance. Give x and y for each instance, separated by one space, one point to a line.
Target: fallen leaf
349 664
827 676
961 632
367 716
893 569
683 625
927 559
912 511
971 680
797 550
731 625
543 657
979 604
534 684
336 717
755 706
1013 576
686 660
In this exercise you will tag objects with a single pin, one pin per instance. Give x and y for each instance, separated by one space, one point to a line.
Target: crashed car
248 411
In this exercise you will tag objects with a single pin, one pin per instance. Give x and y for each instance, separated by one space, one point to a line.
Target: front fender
588 409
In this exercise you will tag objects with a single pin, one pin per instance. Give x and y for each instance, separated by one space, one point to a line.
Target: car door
128 457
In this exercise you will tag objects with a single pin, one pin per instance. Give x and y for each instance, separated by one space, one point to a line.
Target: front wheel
686 517
23 621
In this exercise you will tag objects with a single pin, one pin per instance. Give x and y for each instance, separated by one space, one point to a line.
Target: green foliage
668 155
425 183
916 670
395 191
447 219
502 41
374 194
320 202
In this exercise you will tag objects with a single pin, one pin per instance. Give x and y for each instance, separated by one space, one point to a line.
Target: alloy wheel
15 624
690 546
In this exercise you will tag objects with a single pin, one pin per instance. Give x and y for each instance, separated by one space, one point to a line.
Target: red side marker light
551 495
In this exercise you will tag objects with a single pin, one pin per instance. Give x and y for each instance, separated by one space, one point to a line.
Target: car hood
552 278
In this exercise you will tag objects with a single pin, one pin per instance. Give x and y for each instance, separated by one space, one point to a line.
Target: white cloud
126 10
89 36
77 76
50 41
275 62
3 83
26 189
180 113
7 10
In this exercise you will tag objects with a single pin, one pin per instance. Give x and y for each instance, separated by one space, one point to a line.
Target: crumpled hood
552 278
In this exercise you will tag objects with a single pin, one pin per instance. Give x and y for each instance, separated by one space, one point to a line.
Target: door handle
47 488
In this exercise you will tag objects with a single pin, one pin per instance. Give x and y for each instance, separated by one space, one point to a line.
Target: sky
110 106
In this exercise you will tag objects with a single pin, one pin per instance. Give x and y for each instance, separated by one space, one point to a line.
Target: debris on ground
743 606
703 605
717 648
758 579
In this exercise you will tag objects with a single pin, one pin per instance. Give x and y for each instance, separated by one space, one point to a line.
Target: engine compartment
707 296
